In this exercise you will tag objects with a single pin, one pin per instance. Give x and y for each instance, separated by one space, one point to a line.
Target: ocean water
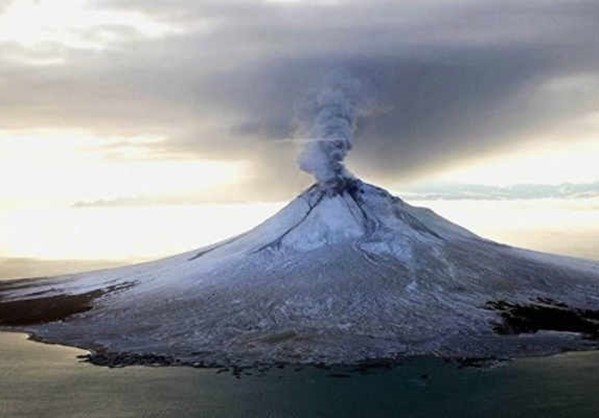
38 380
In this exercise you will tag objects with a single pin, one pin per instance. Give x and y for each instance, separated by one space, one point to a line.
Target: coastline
114 360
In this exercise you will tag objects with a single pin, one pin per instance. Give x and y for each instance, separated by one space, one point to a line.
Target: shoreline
118 360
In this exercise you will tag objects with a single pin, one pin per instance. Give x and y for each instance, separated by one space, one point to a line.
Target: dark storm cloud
452 80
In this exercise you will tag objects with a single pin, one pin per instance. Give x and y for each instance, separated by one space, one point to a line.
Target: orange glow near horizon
50 169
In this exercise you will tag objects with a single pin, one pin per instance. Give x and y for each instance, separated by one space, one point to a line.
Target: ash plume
326 121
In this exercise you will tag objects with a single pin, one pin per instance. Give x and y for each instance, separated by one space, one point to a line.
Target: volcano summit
344 273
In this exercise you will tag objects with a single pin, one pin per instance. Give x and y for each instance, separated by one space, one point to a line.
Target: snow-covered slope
345 272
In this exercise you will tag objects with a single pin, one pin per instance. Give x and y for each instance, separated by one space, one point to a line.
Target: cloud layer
520 191
222 79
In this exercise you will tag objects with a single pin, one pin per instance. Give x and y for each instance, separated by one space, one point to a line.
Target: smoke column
327 122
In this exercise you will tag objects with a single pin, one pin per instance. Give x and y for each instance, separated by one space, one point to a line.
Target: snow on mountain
345 272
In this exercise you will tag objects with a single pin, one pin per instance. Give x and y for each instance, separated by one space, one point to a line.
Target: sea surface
38 380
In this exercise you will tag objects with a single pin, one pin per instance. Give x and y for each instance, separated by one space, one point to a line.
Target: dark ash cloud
453 81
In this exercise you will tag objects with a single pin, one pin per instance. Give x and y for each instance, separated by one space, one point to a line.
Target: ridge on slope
345 272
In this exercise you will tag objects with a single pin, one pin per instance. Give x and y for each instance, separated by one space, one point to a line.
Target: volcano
344 273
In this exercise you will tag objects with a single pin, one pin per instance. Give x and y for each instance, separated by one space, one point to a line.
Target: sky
114 103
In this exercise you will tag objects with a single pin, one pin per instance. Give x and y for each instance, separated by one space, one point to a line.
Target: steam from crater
326 124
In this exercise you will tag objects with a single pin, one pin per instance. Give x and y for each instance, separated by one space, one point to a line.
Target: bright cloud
57 168
72 24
